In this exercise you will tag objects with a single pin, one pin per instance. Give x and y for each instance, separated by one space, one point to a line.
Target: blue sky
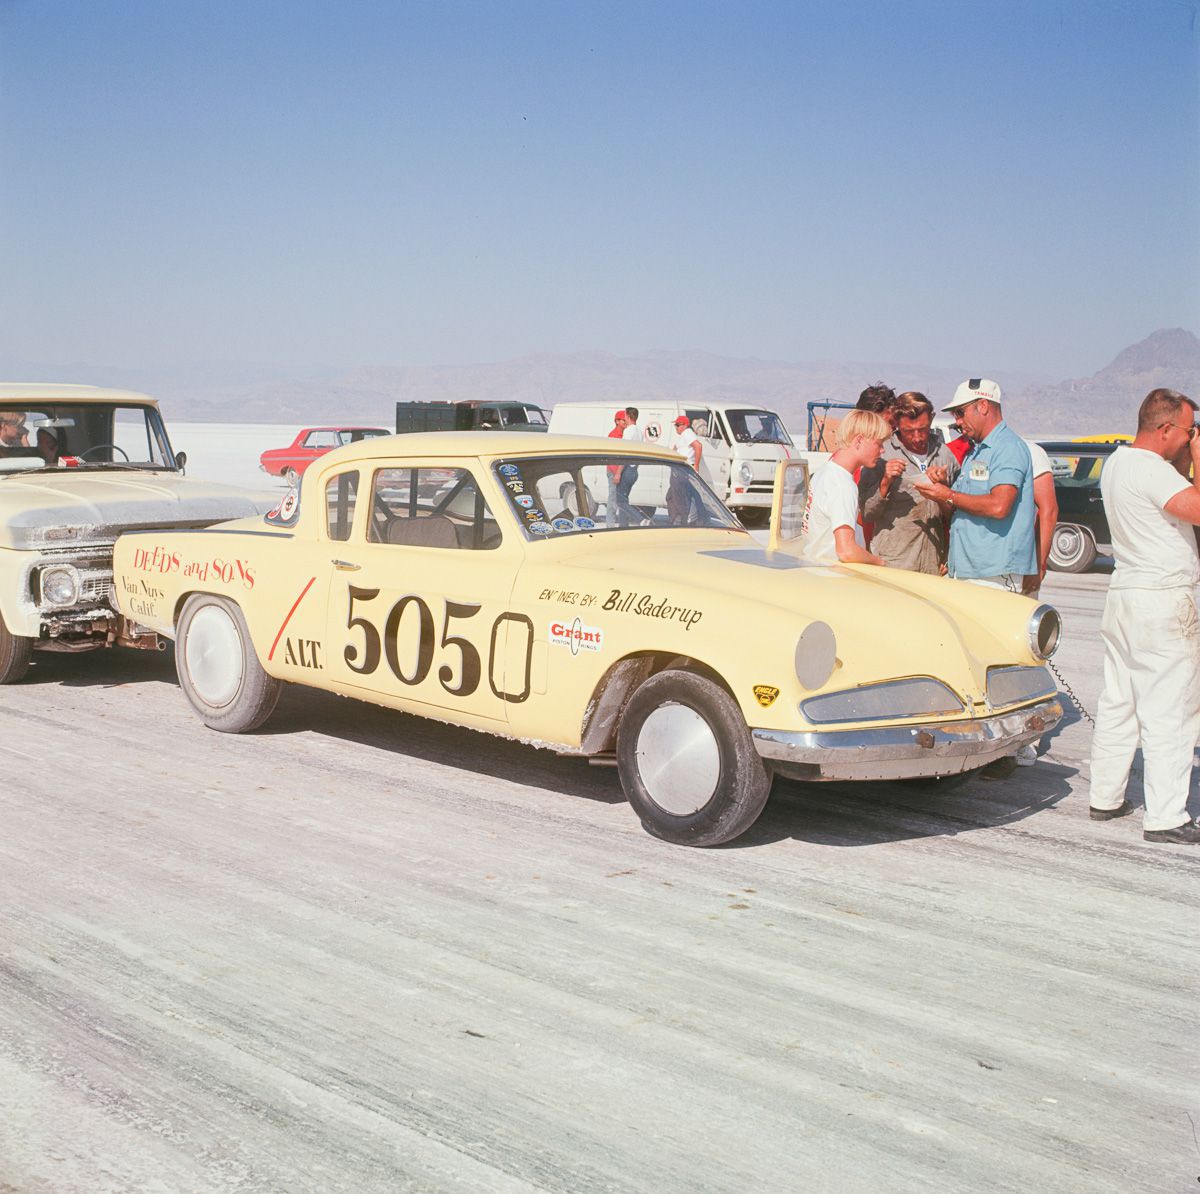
1010 184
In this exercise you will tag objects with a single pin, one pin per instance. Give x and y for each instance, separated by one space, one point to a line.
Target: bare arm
696 449
995 504
1046 501
1185 505
848 550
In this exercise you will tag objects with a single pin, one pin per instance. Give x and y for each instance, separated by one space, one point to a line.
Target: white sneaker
1027 755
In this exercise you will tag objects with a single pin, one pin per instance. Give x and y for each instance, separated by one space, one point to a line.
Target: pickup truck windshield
757 427
79 435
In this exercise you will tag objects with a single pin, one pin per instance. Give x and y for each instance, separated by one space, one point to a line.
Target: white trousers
1152 697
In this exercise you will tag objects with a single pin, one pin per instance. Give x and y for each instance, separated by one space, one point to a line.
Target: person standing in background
909 528
620 419
1150 627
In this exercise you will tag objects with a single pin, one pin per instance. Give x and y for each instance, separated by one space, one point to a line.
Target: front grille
94 589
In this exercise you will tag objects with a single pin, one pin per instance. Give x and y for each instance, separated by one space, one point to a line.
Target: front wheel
1072 548
218 670
291 476
687 761
15 653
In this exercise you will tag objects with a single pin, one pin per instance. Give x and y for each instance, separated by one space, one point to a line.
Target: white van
743 444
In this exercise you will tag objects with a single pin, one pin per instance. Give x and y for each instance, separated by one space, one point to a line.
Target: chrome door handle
345 565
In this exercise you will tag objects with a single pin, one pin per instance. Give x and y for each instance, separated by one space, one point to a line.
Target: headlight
1012 685
745 473
1044 628
816 655
922 696
60 585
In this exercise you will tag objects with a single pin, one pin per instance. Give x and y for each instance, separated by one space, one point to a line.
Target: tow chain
1071 693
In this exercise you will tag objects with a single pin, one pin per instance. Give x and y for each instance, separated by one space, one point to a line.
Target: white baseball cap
969 391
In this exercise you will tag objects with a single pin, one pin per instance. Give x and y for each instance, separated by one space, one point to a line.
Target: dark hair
632 412
878 398
1161 406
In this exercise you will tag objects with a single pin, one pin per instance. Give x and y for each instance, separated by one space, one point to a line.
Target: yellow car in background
594 597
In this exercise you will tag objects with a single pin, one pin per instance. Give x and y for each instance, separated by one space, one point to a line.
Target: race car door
418 612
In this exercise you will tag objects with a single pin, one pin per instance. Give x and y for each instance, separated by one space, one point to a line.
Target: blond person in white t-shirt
1150 626
831 532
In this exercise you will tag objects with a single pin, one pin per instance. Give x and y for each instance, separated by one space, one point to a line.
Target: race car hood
875 612
92 507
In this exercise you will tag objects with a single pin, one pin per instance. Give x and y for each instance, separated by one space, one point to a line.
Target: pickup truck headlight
60 585
745 473
1045 626
1012 685
922 696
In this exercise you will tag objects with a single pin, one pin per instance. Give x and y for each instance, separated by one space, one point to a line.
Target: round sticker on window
563 525
541 528
509 470
585 524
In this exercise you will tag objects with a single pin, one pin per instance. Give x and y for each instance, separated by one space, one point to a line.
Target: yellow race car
595 597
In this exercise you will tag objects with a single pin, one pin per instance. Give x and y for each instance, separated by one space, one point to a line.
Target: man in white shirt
626 516
681 498
1150 627
830 532
1045 500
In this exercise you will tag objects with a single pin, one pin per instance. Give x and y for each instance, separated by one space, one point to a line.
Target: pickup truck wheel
1072 548
687 761
15 652
218 670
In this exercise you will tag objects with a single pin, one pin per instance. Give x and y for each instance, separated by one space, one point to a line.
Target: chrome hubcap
213 656
678 759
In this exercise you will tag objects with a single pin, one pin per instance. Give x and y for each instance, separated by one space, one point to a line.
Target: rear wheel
1072 548
291 476
15 653
218 670
687 761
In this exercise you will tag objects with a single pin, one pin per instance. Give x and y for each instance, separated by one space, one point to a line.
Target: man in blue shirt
992 529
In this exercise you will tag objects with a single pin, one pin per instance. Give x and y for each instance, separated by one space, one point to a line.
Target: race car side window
341 491
430 507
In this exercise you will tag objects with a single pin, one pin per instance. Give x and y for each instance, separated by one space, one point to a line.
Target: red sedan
310 443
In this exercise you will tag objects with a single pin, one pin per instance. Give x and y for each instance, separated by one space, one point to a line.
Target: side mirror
181 461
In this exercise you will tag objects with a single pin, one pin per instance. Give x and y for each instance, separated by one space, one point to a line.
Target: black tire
15 653
1072 548
687 761
752 517
218 669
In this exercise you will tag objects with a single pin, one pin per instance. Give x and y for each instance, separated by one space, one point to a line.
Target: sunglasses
1191 428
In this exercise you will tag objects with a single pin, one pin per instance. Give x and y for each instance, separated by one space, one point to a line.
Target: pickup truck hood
64 506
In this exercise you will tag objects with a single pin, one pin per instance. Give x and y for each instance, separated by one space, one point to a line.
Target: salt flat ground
364 952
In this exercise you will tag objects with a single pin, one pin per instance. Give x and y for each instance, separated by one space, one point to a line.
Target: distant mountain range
1106 401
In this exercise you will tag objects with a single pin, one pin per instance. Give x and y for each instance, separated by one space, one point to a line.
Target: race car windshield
77 435
564 495
757 427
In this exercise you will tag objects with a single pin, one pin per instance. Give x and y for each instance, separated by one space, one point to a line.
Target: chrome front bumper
904 752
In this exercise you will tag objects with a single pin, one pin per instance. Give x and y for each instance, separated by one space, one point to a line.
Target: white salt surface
229 452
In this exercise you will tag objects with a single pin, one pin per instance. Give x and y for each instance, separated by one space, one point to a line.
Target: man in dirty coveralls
1150 629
